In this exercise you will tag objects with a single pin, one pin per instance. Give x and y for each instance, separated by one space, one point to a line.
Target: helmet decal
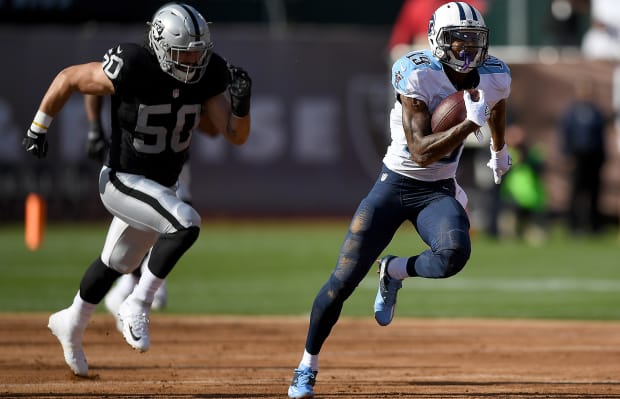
431 25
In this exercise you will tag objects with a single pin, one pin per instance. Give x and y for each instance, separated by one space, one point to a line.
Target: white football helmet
180 38
459 21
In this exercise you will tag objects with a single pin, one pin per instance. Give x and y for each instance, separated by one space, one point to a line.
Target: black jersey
153 114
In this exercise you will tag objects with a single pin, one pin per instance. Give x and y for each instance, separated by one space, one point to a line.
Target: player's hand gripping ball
452 110
478 110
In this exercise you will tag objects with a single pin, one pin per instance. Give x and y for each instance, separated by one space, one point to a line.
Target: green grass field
276 268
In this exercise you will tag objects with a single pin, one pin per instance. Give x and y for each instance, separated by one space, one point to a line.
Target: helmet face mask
458 36
186 62
180 38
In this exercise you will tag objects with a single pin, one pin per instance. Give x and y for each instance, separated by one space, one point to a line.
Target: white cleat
69 334
135 326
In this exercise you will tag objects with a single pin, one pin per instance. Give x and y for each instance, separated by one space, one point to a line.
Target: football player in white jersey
417 180
160 92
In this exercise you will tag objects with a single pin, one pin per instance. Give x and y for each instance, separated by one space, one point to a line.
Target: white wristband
41 122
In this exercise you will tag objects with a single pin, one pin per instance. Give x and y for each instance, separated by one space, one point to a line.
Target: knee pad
188 215
125 262
125 246
455 252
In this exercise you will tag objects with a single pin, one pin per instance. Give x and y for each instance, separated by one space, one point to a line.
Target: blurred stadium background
319 108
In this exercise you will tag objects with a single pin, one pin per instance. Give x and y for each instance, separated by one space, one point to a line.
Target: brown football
451 111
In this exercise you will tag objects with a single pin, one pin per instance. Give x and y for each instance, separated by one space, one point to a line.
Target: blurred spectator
602 39
602 42
411 26
582 126
568 20
523 189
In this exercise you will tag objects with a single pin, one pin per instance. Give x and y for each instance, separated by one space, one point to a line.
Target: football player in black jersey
97 146
159 92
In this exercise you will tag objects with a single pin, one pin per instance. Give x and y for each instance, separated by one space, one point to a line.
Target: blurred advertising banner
318 111
319 115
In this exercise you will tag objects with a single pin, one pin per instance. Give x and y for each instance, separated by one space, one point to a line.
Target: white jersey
420 75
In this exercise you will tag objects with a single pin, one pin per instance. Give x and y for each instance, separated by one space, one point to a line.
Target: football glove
477 111
500 163
35 143
96 143
240 91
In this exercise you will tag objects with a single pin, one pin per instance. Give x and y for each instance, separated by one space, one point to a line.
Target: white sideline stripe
500 284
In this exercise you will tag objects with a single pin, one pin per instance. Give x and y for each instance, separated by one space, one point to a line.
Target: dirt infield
253 357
